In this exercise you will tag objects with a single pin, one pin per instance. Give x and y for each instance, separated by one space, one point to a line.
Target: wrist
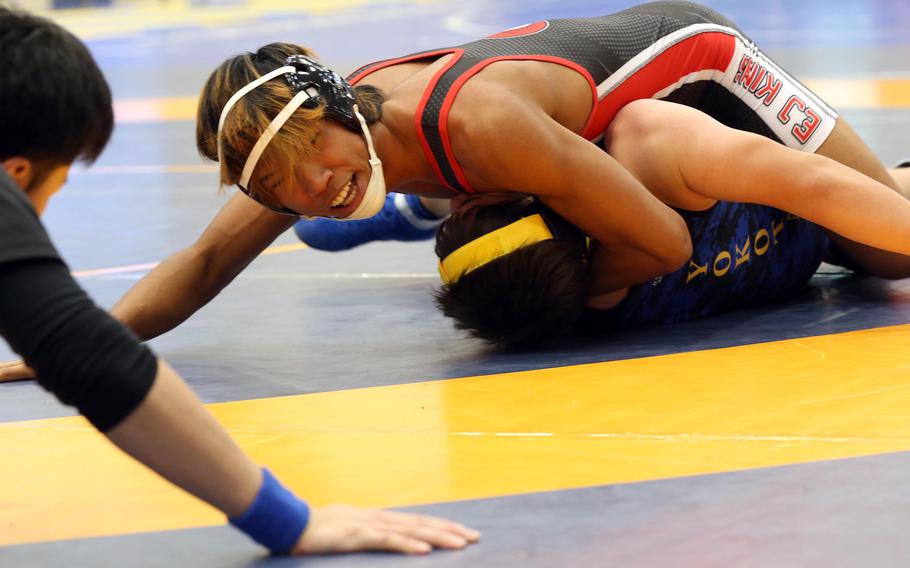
276 518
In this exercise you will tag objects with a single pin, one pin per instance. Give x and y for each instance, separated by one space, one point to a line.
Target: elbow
805 184
684 246
203 261
200 255
679 248
669 248
679 259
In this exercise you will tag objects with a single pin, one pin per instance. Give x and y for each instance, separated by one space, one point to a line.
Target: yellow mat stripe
863 93
684 414
155 110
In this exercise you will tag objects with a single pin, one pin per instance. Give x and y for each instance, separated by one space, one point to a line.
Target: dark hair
55 105
524 299
256 110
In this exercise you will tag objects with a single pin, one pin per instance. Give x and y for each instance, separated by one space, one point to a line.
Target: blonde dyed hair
252 114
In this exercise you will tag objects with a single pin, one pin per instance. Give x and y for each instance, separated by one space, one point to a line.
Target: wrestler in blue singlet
743 255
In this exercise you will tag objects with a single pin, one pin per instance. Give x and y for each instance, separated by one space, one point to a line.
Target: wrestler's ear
22 170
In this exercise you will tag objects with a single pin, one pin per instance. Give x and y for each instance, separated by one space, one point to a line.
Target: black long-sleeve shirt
79 352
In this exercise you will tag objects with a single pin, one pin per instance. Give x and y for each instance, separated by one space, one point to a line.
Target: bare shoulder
483 109
497 134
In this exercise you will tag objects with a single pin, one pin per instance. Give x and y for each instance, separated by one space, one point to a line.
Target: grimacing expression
333 180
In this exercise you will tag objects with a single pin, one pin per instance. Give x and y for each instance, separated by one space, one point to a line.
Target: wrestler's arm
189 279
174 434
679 149
509 144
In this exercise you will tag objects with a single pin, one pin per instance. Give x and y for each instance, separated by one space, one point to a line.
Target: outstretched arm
90 361
172 433
189 279
683 154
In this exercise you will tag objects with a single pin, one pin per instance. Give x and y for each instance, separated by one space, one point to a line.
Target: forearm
188 280
850 204
172 433
720 163
620 267
89 361
169 294
643 229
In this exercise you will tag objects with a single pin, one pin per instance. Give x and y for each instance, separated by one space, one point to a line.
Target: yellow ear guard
495 244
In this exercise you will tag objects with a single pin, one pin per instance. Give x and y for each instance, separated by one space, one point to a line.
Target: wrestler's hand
340 528
15 371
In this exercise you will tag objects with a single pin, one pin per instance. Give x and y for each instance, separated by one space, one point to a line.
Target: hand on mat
15 371
340 528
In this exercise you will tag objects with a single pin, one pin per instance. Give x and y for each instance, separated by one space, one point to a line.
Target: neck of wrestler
404 164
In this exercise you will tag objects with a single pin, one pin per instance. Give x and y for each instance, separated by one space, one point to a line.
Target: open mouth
346 196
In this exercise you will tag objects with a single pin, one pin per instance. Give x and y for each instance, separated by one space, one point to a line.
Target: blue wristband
276 519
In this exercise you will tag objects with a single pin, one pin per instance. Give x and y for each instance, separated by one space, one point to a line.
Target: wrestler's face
333 180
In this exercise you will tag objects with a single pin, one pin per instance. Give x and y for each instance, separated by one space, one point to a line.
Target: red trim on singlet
368 69
364 71
521 31
418 116
704 51
476 68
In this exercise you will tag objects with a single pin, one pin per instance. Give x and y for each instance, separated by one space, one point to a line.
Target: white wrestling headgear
314 84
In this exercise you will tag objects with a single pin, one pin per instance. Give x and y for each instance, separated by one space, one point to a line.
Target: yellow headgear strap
489 247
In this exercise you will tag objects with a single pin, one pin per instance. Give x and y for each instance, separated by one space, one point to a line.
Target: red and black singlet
676 51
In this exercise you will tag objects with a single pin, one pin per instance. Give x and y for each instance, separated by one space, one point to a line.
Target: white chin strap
375 194
372 201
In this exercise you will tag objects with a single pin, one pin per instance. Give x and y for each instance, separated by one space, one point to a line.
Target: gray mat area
313 334
304 322
845 513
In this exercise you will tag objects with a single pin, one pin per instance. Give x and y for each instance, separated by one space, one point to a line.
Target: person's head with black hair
514 272
55 105
276 119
